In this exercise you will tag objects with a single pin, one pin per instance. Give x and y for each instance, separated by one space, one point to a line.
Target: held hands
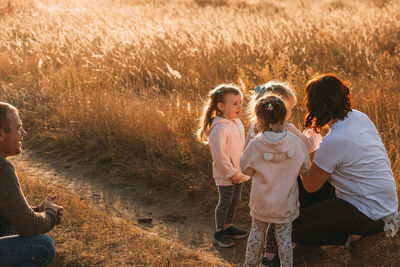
239 177
46 204
235 179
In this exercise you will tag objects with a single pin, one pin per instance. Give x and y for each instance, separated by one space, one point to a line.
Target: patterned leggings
283 235
229 197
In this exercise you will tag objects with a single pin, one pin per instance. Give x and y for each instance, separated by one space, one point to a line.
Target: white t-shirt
354 155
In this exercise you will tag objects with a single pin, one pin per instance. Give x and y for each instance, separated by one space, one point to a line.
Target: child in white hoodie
224 131
310 138
274 158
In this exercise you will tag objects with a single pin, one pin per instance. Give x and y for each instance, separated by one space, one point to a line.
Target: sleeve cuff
52 215
322 167
232 173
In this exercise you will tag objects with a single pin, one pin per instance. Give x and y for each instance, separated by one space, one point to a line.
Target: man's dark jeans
18 250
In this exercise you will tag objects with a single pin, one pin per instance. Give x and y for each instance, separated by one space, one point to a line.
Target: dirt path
170 217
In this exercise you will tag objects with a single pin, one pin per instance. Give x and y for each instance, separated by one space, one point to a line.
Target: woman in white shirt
352 161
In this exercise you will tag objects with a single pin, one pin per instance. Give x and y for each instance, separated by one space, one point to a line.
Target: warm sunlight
111 94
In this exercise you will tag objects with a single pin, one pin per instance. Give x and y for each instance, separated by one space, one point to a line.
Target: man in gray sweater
22 227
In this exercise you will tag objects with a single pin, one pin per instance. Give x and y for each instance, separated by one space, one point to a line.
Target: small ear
220 106
268 156
2 134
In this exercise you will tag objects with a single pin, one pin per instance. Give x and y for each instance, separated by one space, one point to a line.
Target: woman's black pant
327 220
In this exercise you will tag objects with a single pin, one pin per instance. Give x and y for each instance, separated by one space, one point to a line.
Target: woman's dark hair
269 110
327 97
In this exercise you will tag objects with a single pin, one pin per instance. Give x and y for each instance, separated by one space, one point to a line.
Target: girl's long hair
327 97
211 110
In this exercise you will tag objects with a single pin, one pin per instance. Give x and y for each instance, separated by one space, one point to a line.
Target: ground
170 217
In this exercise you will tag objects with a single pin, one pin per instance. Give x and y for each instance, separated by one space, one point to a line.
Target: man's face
11 142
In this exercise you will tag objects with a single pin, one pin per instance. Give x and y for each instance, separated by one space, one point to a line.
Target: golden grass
125 80
94 235
128 78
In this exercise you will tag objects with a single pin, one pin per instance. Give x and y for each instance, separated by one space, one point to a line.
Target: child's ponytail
206 122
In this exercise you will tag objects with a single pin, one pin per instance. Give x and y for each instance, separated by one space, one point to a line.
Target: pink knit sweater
226 140
274 167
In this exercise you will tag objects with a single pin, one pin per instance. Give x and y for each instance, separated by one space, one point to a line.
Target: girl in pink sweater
310 138
274 158
224 132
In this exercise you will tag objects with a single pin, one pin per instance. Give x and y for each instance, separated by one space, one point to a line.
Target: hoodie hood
276 151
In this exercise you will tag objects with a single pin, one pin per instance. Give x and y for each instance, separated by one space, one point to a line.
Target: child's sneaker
223 239
236 233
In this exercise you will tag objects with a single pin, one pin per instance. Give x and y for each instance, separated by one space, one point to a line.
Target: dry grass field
122 83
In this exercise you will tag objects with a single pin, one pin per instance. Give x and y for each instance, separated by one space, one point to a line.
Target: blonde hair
279 89
210 110
273 88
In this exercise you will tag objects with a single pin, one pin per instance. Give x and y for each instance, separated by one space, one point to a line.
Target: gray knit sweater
14 209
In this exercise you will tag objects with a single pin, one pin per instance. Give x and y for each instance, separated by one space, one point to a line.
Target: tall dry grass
125 80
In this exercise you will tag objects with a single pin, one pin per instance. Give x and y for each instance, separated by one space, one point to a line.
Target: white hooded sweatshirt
274 166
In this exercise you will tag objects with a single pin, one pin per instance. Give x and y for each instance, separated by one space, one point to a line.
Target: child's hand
235 179
244 178
239 177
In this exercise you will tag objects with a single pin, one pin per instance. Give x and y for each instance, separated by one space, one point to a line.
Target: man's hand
46 204
60 214
41 206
